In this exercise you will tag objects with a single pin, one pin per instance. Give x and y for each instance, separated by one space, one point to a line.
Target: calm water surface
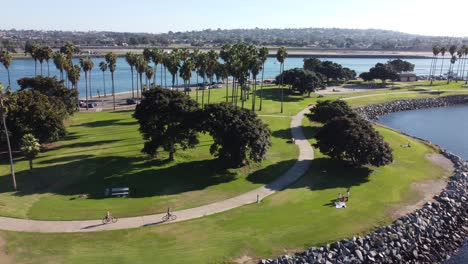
25 68
446 126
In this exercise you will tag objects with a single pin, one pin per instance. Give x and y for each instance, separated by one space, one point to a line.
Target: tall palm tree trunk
261 88
90 89
254 93
141 85
209 90
12 168
161 75
165 77
154 76
86 82
113 90
35 67
48 69
227 88
442 67
282 69
9 78
133 88
104 81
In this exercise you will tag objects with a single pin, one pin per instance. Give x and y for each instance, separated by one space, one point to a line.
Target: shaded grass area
293 219
102 150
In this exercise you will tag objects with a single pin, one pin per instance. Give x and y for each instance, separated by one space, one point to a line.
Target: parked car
219 85
268 81
92 105
188 89
131 101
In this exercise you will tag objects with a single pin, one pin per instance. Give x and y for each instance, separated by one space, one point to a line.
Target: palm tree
103 68
435 52
465 53
74 75
3 113
211 63
47 54
59 61
443 49
6 59
85 66
156 58
140 67
281 56
225 55
149 74
263 55
173 64
34 52
452 50
111 60
255 68
460 56
131 60
201 71
186 73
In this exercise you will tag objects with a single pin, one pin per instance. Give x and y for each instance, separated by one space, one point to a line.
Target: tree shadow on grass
103 123
327 173
274 94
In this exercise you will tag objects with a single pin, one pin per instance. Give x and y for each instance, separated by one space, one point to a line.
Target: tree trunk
209 90
155 71
41 68
161 75
141 85
9 78
171 155
86 82
442 67
253 93
282 86
227 88
133 88
113 90
431 76
12 168
90 89
48 69
30 164
35 67
261 88
104 81
165 77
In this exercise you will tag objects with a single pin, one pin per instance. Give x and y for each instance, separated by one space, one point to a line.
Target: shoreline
292 52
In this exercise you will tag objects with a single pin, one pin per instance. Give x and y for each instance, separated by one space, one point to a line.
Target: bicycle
169 217
109 220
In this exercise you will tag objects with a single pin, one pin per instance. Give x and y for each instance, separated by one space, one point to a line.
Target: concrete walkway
306 155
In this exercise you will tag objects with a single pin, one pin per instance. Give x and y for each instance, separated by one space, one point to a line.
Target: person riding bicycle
108 216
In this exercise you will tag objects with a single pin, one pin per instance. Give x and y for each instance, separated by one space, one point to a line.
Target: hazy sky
427 17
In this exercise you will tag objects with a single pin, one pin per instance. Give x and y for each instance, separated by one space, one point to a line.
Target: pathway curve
306 155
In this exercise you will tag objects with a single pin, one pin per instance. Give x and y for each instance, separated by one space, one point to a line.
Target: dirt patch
426 190
244 260
4 257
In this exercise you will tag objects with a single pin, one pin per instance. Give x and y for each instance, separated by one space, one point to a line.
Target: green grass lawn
293 219
103 150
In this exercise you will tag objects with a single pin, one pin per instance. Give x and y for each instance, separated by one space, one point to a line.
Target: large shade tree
353 140
325 111
168 120
238 134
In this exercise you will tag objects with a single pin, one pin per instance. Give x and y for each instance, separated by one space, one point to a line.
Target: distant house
407 77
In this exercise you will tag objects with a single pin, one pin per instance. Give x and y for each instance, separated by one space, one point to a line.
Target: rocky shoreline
428 235
373 112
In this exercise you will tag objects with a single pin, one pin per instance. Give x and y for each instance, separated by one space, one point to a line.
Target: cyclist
108 216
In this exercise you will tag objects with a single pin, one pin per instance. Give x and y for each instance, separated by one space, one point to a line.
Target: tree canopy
353 140
167 119
301 80
237 133
400 65
380 71
61 97
325 111
30 147
32 112
329 69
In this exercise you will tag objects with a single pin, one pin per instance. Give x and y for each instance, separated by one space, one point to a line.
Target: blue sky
427 17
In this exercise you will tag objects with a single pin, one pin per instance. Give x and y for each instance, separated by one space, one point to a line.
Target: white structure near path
306 155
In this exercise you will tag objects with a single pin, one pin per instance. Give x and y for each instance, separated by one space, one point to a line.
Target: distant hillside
314 38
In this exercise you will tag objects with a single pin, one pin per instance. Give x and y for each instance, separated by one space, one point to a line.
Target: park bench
119 192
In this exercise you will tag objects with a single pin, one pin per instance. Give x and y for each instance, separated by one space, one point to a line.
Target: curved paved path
306 155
